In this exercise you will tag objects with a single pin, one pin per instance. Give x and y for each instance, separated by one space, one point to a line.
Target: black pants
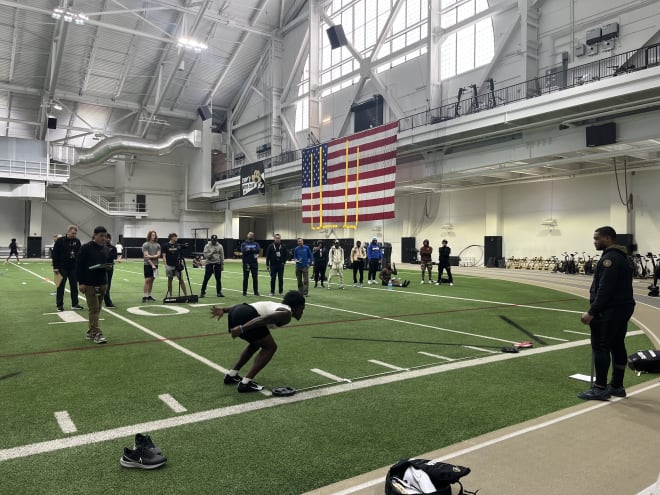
445 266
68 274
319 273
374 267
608 333
251 268
358 266
214 269
277 271
106 296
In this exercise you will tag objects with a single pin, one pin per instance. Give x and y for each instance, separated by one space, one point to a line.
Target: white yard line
435 356
387 365
475 348
65 422
172 403
579 333
329 375
551 338
581 377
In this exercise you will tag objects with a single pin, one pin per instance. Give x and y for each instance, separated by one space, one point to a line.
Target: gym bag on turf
413 476
645 362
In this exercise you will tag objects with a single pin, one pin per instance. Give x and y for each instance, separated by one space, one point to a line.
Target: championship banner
253 179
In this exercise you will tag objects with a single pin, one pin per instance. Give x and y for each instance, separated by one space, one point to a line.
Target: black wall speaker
52 123
600 135
408 250
492 249
34 247
336 36
204 112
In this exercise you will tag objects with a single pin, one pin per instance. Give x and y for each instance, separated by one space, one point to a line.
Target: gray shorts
172 271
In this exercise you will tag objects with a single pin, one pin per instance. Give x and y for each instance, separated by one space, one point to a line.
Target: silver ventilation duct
121 145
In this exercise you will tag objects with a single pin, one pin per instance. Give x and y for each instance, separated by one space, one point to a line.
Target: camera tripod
186 298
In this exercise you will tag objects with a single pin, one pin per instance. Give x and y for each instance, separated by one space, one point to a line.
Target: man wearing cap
336 260
214 255
276 255
374 255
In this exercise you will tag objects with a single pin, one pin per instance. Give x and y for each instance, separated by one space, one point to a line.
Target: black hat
214 237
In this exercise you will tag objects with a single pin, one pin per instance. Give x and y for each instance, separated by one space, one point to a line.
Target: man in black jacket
612 305
276 256
443 263
91 266
64 255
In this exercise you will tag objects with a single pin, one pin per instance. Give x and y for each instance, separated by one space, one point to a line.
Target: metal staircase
110 208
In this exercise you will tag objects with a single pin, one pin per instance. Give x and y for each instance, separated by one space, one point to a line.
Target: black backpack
442 475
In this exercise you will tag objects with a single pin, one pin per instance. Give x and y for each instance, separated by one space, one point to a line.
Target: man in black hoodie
91 266
612 305
65 251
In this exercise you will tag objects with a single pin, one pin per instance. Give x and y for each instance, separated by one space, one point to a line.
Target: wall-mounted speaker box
594 36
492 250
336 36
601 135
610 31
408 250
204 112
52 123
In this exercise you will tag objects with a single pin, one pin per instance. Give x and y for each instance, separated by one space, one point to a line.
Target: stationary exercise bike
654 290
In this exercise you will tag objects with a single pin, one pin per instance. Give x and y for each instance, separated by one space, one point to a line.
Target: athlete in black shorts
252 323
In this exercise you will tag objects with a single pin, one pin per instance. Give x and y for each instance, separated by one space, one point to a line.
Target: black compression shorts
240 315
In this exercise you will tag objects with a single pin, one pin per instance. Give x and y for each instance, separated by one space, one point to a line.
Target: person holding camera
173 259
65 251
214 254
250 255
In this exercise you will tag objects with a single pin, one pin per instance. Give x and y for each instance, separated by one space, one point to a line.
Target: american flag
370 188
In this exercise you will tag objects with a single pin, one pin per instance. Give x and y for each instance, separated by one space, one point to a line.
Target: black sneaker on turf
232 380
141 458
249 387
89 336
60 309
202 294
144 299
150 298
77 307
616 391
144 441
595 393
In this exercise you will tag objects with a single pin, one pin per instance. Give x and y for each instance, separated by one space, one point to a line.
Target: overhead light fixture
191 44
69 16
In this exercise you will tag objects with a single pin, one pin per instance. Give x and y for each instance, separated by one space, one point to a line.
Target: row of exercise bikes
644 266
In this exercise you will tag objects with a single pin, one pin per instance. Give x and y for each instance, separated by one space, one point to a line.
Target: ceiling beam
53 72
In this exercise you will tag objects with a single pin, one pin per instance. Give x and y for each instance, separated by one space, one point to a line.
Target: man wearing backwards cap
215 263
374 255
336 263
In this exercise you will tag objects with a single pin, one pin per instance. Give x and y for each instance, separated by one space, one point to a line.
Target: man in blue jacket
303 258
374 255
250 253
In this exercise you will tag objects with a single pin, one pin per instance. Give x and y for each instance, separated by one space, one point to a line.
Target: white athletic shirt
267 308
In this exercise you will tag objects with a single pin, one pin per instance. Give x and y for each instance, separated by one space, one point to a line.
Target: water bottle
389 285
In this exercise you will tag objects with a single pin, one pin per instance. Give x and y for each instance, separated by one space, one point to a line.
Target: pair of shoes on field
597 393
77 307
147 299
144 454
98 338
240 386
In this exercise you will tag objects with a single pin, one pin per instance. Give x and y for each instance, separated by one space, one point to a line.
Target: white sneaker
341 286
438 283
451 284
422 282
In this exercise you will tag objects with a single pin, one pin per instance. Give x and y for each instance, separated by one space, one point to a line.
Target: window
302 105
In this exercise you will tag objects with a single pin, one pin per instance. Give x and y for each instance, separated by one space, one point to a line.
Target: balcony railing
37 170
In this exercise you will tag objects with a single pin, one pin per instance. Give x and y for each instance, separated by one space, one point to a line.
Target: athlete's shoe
149 298
595 393
141 458
616 391
60 309
89 336
232 380
100 339
422 282
77 307
202 294
249 387
144 299
145 441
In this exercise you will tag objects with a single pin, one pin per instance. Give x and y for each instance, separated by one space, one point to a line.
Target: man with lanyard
336 260
611 306
426 262
443 263
151 253
303 258
91 266
214 254
374 255
358 255
250 253
173 259
275 259
253 323
65 251
111 252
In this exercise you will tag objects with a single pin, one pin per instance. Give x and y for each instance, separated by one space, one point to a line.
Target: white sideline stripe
436 356
65 422
387 365
579 333
551 338
508 436
191 418
172 403
475 348
329 375
581 377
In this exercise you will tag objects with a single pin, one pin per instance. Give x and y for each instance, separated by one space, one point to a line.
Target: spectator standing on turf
65 251
320 263
13 249
443 263
250 254
173 259
151 253
253 323
120 251
358 255
91 274
375 256
214 254
276 255
336 261
302 255
111 252
426 262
